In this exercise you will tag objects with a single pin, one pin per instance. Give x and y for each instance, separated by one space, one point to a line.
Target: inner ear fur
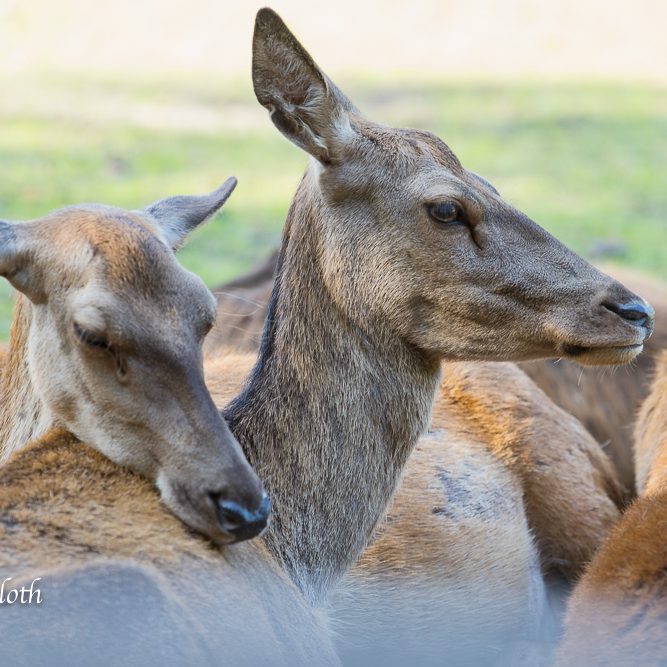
302 101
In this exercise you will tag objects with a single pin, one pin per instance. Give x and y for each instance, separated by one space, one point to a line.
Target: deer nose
638 313
241 522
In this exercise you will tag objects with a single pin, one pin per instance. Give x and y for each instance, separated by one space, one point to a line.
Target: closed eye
91 339
99 342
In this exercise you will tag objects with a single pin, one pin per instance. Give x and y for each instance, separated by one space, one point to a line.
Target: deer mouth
602 355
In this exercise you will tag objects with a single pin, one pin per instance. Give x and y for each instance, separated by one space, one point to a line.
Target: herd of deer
420 514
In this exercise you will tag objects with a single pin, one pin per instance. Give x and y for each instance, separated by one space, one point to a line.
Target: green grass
587 161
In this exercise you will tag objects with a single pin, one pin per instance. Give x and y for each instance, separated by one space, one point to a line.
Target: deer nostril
241 522
639 313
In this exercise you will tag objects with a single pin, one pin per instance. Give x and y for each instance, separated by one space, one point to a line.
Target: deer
384 239
618 611
394 258
129 482
87 353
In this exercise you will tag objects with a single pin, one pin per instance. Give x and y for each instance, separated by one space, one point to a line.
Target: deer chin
195 509
198 513
603 355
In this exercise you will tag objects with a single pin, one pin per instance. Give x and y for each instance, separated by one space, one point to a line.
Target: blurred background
562 105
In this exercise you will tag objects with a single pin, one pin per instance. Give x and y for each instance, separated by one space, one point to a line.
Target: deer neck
328 417
23 417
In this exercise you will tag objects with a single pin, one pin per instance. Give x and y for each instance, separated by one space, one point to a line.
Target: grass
587 161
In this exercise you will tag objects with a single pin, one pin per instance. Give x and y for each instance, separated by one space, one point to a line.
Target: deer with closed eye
106 342
103 400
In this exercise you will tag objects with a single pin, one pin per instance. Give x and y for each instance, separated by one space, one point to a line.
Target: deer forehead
127 242
390 163
183 303
405 148
115 259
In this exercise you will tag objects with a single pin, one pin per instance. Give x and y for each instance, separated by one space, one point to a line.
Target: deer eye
446 212
99 342
91 339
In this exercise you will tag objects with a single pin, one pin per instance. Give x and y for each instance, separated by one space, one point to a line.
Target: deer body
504 485
65 510
618 612
109 550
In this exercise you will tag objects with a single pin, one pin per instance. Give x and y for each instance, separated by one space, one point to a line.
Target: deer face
114 353
408 237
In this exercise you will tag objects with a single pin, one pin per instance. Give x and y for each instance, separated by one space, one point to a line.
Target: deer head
113 350
409 237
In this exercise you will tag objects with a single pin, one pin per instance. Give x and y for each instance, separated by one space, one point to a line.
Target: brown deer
618 612
394 257
106 343
106 350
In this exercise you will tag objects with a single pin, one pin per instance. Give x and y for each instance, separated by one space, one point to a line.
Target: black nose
239 521
639 313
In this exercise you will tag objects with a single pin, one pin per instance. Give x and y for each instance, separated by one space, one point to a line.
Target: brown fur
651 435
570 488
502 458
14 384
66 509
618 612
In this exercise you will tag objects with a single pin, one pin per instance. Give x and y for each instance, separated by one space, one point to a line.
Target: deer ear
178 216
16 260
303 102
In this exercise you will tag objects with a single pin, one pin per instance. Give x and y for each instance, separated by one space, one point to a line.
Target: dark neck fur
328 417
